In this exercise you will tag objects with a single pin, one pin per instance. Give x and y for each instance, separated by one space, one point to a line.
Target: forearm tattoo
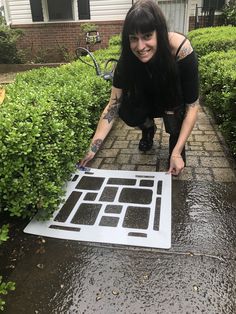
112 111
96 145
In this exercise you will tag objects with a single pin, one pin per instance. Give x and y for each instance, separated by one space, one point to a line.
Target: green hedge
115 41
46 124
8 50
218 87
216 49
207 40
5 287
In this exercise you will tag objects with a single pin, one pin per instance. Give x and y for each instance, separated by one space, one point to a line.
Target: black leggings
134 114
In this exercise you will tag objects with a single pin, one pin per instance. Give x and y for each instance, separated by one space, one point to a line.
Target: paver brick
204 177
209 132
193 161
198 153
199 170
194 143
108 143
224 174
96 162
196 148
108 152
218 154
197 132
214 162
120 144
206 138
123 159
186 174
110 166
204 126
132 137
128 167
141 159
212 146
109 160
146 168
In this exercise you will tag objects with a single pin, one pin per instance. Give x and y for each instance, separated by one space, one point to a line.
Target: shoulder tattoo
112 111
184 52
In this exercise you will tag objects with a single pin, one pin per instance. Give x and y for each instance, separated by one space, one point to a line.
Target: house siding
101 10
19 12
192 6
109 10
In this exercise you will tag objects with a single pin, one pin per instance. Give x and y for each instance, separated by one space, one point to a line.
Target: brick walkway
208 158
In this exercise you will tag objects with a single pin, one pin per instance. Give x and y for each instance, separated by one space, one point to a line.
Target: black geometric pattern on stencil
124 190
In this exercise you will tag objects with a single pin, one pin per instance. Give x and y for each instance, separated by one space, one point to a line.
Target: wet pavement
198 273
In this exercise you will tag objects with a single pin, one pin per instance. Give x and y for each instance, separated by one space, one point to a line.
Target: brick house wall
46 41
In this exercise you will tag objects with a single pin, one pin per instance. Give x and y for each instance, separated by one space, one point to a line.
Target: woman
156 76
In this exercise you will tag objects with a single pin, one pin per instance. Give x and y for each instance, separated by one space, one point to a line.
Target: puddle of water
204 216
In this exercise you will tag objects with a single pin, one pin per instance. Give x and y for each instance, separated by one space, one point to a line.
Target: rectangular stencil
128 208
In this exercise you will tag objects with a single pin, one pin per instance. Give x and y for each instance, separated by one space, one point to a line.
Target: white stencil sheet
113 206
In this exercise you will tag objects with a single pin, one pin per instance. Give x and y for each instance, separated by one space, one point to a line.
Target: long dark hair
143 17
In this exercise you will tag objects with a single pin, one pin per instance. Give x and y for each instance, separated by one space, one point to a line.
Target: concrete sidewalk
197 275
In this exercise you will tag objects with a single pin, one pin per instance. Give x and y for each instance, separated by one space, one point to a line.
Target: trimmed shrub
207 40
229 13
46 124
115 41
4 286
8 50
218 87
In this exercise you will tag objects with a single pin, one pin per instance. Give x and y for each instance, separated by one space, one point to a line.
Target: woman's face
143 46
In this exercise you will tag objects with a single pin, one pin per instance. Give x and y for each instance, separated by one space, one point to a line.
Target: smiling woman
156 76
144 46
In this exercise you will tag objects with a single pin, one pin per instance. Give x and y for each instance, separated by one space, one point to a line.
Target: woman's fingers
86 159
176 165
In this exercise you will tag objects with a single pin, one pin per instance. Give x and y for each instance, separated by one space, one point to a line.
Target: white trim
187 16
75 10
6 12
45 11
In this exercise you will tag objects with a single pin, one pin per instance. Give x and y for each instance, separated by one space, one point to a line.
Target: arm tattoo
112 111
96 145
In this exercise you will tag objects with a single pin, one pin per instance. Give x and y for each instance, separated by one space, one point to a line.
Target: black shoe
146 141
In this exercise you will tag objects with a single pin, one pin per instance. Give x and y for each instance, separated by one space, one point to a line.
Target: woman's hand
94 147
176 165
89 156
176 161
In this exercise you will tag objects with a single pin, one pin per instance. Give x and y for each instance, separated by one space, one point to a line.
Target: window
60 10
84 9
213 4
37 11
